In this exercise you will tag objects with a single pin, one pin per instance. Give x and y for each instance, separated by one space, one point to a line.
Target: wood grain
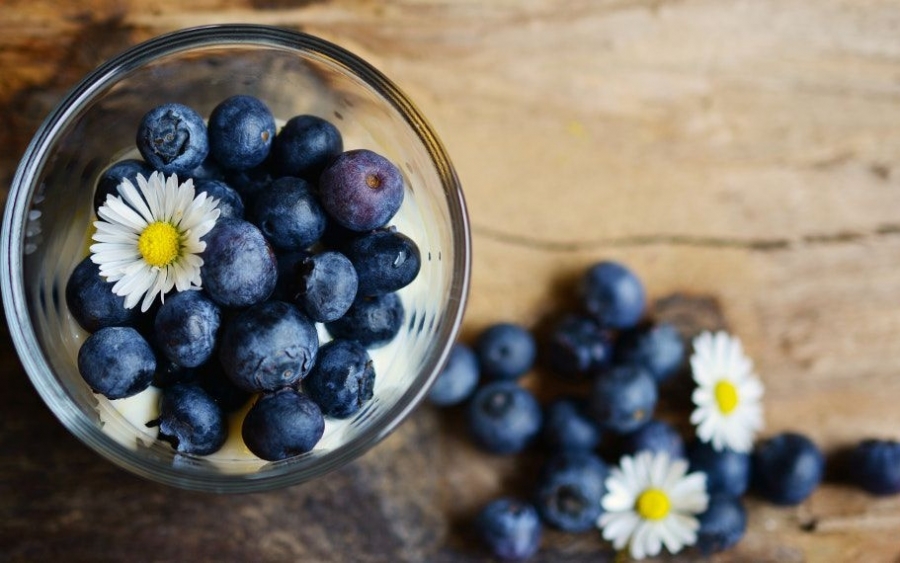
743 152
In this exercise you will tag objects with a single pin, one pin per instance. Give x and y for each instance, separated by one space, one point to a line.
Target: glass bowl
49 214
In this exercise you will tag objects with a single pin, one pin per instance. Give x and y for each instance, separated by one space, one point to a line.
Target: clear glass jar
49 213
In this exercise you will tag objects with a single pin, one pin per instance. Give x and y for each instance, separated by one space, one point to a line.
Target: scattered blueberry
239 267
458 380
361 190
109 181
342 380
875 466
190 420
787 468
659 348
385 261
505 351
305 146
116 362
282 424
249 183
570 491
510 529
172 138
92 303
268 346
371 321
504 417
288 214
722 525
230 202
655 436
241 131
568 426
623 398
186 327
613 295
324 286
577 346
727 471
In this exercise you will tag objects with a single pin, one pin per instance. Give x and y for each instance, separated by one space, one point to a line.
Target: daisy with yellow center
148 240
728 411
651 502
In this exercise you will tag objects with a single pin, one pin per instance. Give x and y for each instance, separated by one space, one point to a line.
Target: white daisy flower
728 410
651 502
148 240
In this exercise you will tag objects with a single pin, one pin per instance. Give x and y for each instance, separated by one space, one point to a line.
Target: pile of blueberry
302 241
615 365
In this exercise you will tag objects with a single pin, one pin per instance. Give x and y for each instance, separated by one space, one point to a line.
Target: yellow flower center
726 396
159 244
653 504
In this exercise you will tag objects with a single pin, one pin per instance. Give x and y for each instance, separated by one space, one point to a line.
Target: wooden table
742 156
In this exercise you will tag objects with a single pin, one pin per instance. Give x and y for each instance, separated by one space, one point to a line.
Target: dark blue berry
305 146
249 183
169 373
92 303
875 466
787 468
503 417
186 327
172 138
722 525
727 471
116 362
288 270
209 169
623 398
385 261
659 348
342 380
510 529
361 190
505 351
288 213
568 426
457 380
241 131
371 321
655 436
282 424
577 346
324 286
190 420
230 202
268 346
570 490
613 295
109 181
239 267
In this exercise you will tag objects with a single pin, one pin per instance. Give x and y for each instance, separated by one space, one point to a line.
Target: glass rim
24 184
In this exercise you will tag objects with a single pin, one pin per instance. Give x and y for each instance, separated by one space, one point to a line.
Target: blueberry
190 420
510 529
172 138
722 525
288 270
325 286
385 261
289 214
361 190
209 169
241 130
568 426
875 466
116 362
282 424
623 398
230 202
787 468
613 295
655 436
659 348
249 183
503 417
186 326
169 373
342 380
505 351
457 380
727 471
93 304
577 346
268 346
371 321
239 267
305 146
109 181
570 490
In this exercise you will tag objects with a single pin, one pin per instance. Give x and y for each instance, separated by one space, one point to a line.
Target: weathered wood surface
741 154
